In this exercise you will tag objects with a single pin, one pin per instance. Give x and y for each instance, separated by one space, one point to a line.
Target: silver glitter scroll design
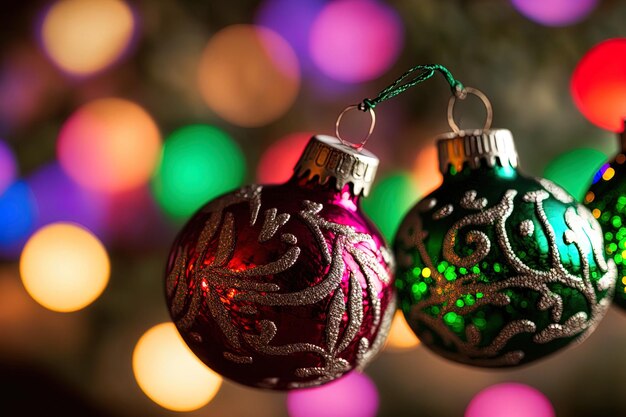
216 276
582 227
556 191
345 241
443 212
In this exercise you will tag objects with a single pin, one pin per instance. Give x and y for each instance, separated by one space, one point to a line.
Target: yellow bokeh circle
401 337
169 373
85 36
64 267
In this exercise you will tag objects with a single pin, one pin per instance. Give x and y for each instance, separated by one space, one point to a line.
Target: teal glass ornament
497 269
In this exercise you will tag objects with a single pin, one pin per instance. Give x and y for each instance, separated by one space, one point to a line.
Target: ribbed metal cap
476 147
326 157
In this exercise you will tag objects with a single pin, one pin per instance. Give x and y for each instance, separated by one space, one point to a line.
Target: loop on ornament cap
361 107
411 78
461 94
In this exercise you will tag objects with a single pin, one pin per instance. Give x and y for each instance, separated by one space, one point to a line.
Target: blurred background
118 119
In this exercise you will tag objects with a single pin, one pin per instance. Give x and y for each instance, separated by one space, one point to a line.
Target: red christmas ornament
286 286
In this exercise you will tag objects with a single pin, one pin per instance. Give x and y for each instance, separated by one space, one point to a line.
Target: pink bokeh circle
355 40
511 400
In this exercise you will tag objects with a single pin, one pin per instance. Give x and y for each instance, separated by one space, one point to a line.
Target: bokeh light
64 267
292 20
574 170
510 400
555 12
401 337
85 36
169 373
30 88
426 170
59 198
353 395
109 145
198 163
390 199
598 85
249 75
277 162
356 40
602 172
17 218
8 166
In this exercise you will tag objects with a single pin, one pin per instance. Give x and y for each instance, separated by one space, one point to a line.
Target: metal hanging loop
360 145
462 95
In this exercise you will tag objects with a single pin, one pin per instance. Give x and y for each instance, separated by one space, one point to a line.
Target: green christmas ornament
497 269
606 199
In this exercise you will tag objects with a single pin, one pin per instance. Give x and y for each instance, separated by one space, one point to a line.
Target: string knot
459 90
366 104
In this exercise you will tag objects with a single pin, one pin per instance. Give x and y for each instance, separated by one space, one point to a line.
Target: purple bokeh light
8 166
292 20
356 40
555 12
510 400
129 219
58 198
353 395
28 86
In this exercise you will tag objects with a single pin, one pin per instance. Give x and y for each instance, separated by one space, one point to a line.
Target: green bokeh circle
575 169
388 202
198 163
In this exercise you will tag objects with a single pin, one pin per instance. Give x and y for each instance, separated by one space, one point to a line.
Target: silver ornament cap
326 157
476 147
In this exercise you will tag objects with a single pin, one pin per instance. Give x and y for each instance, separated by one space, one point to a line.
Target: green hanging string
401 85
